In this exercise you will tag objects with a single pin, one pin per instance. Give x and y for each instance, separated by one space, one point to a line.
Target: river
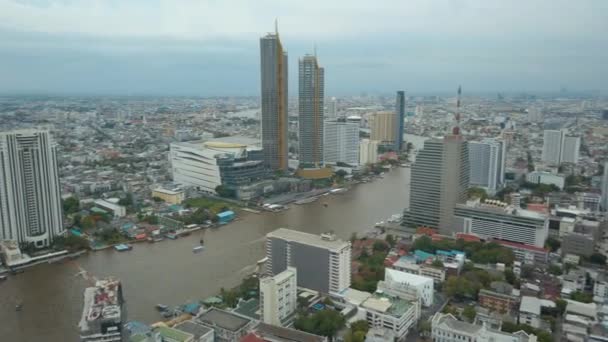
168 272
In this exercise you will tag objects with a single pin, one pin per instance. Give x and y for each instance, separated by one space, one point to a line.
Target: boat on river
123 247
162 307
198 249
306 200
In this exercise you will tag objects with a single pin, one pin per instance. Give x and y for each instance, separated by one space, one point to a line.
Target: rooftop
223 319
101 302
193 328
393 306
308 239
173 334
286 334
404 277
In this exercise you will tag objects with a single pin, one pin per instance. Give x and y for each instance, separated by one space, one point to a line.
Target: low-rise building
530 310
526 254
272 333
171 196
199 332
407 286
102 314
542 177
391 313
497 301
578 244
600 290
111 205
227 326
446 328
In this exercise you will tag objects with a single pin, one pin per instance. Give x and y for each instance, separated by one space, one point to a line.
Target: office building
368 151
390 313
542 177
578 244
30 197
604 202
273 63
278 297
310 99
103 312
552 147
497 220
446 328
487 164
231 162
173 195
439 180
400 116
560 148
383 127
227 326
341 142
332 109
408 286
324 259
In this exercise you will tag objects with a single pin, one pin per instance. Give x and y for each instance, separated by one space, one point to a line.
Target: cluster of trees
478 252
224 191
71 242
582 297
539 189
468 284
543 336
598 258
199 216
91 221
151 219
553 244
71 205
109 236
477 193
357 332
325 323
372 267
249 288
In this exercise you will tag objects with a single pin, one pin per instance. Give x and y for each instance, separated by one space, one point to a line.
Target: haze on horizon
211 48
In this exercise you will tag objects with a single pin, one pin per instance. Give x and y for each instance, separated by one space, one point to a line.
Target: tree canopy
324 323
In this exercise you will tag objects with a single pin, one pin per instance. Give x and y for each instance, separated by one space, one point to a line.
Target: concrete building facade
383 127
278 297
341 142
487 164
30 197
310 119
400 117
368 151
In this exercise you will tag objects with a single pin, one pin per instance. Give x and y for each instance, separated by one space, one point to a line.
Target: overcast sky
211 47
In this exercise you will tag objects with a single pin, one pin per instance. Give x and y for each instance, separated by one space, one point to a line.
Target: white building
530 310
408 286
278 297
570 149
325 260
487 164
30 198
542 177
560 148
604 203
112 206
446 328
205 165
368 151
391 314
600 291
332 109
341 142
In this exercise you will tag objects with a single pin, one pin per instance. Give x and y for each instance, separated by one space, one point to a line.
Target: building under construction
103 312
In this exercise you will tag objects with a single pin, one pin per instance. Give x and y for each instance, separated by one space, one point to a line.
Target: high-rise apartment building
274 101
332 109
382 127
311 98
30 197
399 126
604 202
278 297
560 148
487 163
324 259
368 151
341 141
439 181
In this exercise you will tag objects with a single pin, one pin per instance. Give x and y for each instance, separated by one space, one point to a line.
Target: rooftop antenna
456 129
276 26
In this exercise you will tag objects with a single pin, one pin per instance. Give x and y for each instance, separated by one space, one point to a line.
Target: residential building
542 177
368 151
391 313
278 297
487 164
526 254
588 201
496 301
199 332
400 116
171 196
408 265
332 109
600 290
168 334
274 85
497 220
604 204
310 118
407 286
446 328
530 311
323 258
103 312
383 127
111 206
552 146
30 197
439 180
578 244
272 333
570 149
341 142
231 162
227 326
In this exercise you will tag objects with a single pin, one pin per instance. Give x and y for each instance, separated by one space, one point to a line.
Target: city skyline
486 47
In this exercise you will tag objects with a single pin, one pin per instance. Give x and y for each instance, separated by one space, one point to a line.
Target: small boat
162 307
197 249
123 247
172 236
18 307
202 242
325 204
168 314
17 271
3 277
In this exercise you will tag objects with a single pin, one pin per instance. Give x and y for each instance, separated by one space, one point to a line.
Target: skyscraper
311 98
571 146
487 163
552 146
332 109
382 127
30 198
604 203
273 63
341 141
400 113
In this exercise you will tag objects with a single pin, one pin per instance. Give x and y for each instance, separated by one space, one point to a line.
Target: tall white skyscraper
278 297
552 146
341 142
560 148
30 198
604 203
487 163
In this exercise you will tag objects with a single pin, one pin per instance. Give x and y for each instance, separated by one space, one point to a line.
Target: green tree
555 269
390 240
126 201
598 258
561 305
553 244
341 173
469 313
477 193
325 323
71 205
423 243
380 246
361 325
157 199
510 276
582 297
437 263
